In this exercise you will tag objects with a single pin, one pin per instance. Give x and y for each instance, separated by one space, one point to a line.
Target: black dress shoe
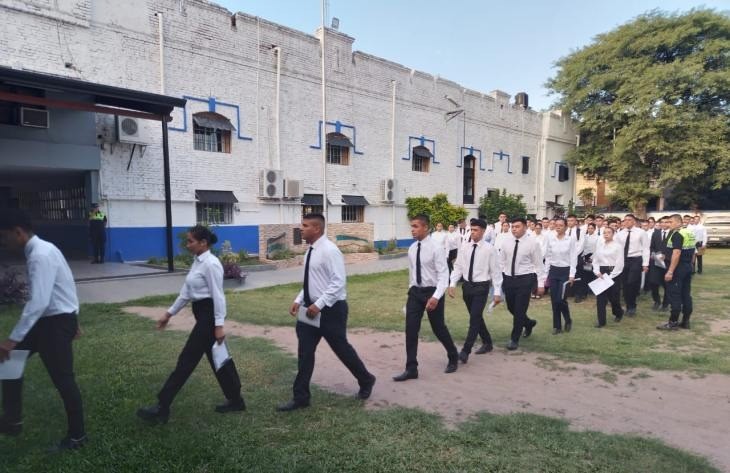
231 406
485 348
12 429
366 390
568 326
156 413
684 325
292 406
451 367
631 312
528 328
69 443
618 318
512 345
556 331
463 357
406 375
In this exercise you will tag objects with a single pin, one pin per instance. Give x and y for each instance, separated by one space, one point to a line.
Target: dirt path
684 411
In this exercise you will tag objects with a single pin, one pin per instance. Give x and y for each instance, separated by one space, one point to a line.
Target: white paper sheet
302 317
13 367
658 259
599 285
220 354
565 287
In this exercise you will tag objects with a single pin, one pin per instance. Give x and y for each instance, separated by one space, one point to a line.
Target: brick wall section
358 230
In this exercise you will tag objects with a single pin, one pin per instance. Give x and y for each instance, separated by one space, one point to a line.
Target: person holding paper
204 287
636 260
561 257
428 278
658 262
608 262
478 264
48 325
324 295
521 261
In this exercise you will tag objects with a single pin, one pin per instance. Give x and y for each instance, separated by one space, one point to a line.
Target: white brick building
231 64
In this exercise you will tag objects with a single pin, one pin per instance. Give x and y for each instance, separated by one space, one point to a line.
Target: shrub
232 271
511 204
437 208
13 290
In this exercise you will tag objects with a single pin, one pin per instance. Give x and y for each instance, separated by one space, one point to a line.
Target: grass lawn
121 363
376 301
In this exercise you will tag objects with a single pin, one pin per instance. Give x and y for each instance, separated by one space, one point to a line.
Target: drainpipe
161 33
324 117
392 156
277 51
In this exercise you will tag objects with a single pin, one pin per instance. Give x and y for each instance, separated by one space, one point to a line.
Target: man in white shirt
700 242
428 279
323 294
453 242
636 260
48 326
521 261
478 264
578 233
464 231
439 236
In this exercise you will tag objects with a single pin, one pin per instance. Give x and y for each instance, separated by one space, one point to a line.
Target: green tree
652 103
437 208
492 205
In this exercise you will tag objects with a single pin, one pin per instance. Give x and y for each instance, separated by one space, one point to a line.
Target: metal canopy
422 152
354 200
215 197
312 199
213 120
338 139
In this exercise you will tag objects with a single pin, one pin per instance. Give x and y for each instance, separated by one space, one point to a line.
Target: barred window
421 164
67 204
353 213
312 209
338 155
211 213
212 139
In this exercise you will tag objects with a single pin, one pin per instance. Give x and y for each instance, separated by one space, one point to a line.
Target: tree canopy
437 208
491 205
652 103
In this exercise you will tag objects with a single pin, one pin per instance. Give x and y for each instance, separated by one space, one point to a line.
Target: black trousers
517 291
631 280
98 246
698 258
612 295
475 297
680 292
415 306
333 328
451 258
559 276
656 281
581 287
51 338
200 342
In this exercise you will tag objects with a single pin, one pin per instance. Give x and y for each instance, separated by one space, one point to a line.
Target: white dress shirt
577 234
589 244
542 240
501 236
327 276
453 240
439 238
638 243
464 233
609 254
434 270
204 280
562 253
700 234
489 235
486 265
52 287
529 257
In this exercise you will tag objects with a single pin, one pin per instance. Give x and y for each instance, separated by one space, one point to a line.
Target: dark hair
538 224
675 217
478 222
425 220
631 216
590 216
519 220
459 221
651 219
502 213
558 219
15 218
592 225
613 232
200 233
315 216
600 216
572 216
686 215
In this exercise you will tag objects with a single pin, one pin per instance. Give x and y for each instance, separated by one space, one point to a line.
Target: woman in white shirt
560 257
608 262
439 236
204 287
503 232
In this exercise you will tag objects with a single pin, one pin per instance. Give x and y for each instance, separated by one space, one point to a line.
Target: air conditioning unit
129 130
271 184
33 117
293 189
387 190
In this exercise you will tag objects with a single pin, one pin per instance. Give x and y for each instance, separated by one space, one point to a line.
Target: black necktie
626 245
418 264
514 257
664 236
577 233
570 232
307 299
471 263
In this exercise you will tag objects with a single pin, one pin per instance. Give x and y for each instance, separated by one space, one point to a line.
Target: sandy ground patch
683 410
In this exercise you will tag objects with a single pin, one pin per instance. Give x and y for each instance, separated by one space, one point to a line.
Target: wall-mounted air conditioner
387 190
33 117
271 184
293 189
129 130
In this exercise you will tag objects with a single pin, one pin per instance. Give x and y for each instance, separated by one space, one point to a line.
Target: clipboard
565 287
13 367
302 317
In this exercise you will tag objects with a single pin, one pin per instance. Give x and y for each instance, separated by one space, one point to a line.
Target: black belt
519 276
606 269
477 283
423 289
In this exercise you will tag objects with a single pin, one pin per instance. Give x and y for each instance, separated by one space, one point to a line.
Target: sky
510 45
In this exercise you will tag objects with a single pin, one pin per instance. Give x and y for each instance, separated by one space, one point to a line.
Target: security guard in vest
681 242
97 233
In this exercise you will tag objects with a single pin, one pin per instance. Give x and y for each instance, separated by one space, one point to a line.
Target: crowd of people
512 260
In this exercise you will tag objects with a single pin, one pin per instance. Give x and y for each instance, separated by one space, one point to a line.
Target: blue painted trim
422 142
555 167
471 151
338 129
501 155
212 104
400 243
143 243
